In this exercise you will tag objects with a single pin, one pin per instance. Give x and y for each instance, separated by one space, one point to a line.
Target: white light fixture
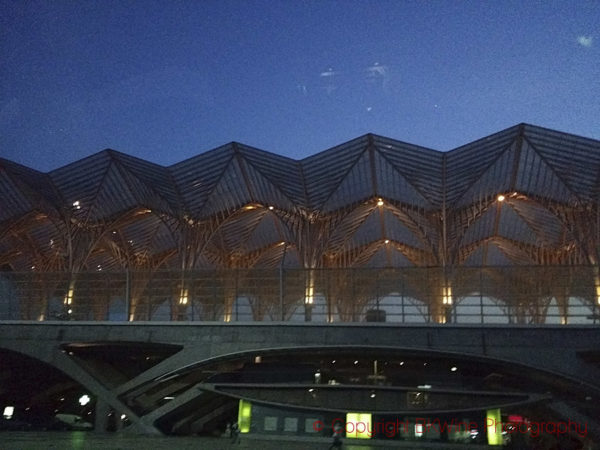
84 399
419 429
76 204
501 198
379 202
453 369
387 241
8 412
271 208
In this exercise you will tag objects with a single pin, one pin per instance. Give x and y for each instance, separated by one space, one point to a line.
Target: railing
500 295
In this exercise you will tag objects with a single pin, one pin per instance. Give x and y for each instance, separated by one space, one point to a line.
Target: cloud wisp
378 74
585 41
328 73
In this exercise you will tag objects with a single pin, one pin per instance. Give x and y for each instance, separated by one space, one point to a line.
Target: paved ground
80 440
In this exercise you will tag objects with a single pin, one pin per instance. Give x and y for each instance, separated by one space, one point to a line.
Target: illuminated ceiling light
282 243
32 267
249 207
271 208
373 395
401 363
379 202
114 232
69 297
447 295
123 416
70 311
333 362
387 241
84 399
311 390
356 362
309 294
76 204
169 397
501 198
183 298
8 412
453 369
424 386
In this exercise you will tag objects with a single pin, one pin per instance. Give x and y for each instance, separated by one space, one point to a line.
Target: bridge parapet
550 353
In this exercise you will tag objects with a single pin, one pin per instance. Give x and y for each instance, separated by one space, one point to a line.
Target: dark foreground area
81 440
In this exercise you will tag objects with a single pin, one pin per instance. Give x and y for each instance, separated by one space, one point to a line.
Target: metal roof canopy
525 195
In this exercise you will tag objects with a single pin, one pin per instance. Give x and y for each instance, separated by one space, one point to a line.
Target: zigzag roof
370 201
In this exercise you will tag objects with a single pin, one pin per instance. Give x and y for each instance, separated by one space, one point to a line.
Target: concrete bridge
563 358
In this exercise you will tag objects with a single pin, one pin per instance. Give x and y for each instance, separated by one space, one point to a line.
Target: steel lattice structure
523 196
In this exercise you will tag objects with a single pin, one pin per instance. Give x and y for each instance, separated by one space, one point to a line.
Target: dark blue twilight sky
166 80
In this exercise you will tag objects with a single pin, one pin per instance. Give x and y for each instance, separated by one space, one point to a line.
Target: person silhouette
337 437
